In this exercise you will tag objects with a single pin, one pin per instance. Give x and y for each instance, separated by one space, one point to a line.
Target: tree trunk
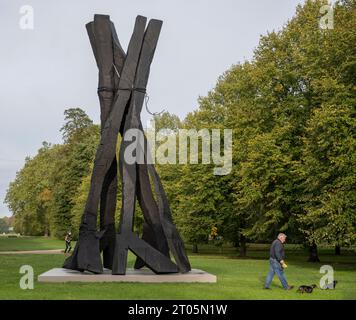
195 248
337 250
47 228
242 246
313 253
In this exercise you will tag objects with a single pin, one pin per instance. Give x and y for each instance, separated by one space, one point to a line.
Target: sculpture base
132 275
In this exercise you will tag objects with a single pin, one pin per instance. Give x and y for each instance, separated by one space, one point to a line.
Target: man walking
276 262
68 239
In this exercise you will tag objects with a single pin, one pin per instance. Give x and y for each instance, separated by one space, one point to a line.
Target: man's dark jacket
277 250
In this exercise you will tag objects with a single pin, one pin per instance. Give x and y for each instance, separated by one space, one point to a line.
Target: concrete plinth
132 275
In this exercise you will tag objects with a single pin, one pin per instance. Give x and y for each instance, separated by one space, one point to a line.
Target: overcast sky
51 68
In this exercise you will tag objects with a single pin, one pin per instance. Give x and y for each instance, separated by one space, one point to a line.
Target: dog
306 289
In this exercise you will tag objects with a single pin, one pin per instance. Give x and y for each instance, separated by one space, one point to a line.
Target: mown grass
30 243
237 278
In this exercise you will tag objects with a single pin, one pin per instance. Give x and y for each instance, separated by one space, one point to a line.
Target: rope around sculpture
147 97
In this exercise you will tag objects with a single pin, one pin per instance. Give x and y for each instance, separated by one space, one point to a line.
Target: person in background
68 238
276 263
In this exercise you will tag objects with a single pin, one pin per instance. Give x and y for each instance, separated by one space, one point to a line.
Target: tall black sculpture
122 87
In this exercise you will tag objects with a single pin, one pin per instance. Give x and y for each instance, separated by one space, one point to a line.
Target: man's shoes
289 287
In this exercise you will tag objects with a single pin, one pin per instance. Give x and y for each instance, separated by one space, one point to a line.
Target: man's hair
281 235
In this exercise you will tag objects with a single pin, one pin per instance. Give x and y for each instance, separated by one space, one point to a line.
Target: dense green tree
329 170
73 165
29 195
268 102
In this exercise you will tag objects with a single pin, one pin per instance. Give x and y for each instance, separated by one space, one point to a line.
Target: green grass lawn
30 243
237 278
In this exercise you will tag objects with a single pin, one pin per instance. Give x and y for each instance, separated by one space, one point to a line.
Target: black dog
306 289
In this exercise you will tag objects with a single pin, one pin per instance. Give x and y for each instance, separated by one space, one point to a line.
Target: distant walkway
53 251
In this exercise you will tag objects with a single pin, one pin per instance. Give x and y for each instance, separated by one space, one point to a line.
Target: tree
269 102
76 121
329 173
29 195
4 228
73 165
166 121
40 197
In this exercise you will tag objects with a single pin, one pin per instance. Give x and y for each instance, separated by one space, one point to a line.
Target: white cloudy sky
50 68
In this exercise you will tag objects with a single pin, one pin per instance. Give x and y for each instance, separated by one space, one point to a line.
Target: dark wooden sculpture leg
153 232
101 39
110 59
126 239
175 242
107 215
